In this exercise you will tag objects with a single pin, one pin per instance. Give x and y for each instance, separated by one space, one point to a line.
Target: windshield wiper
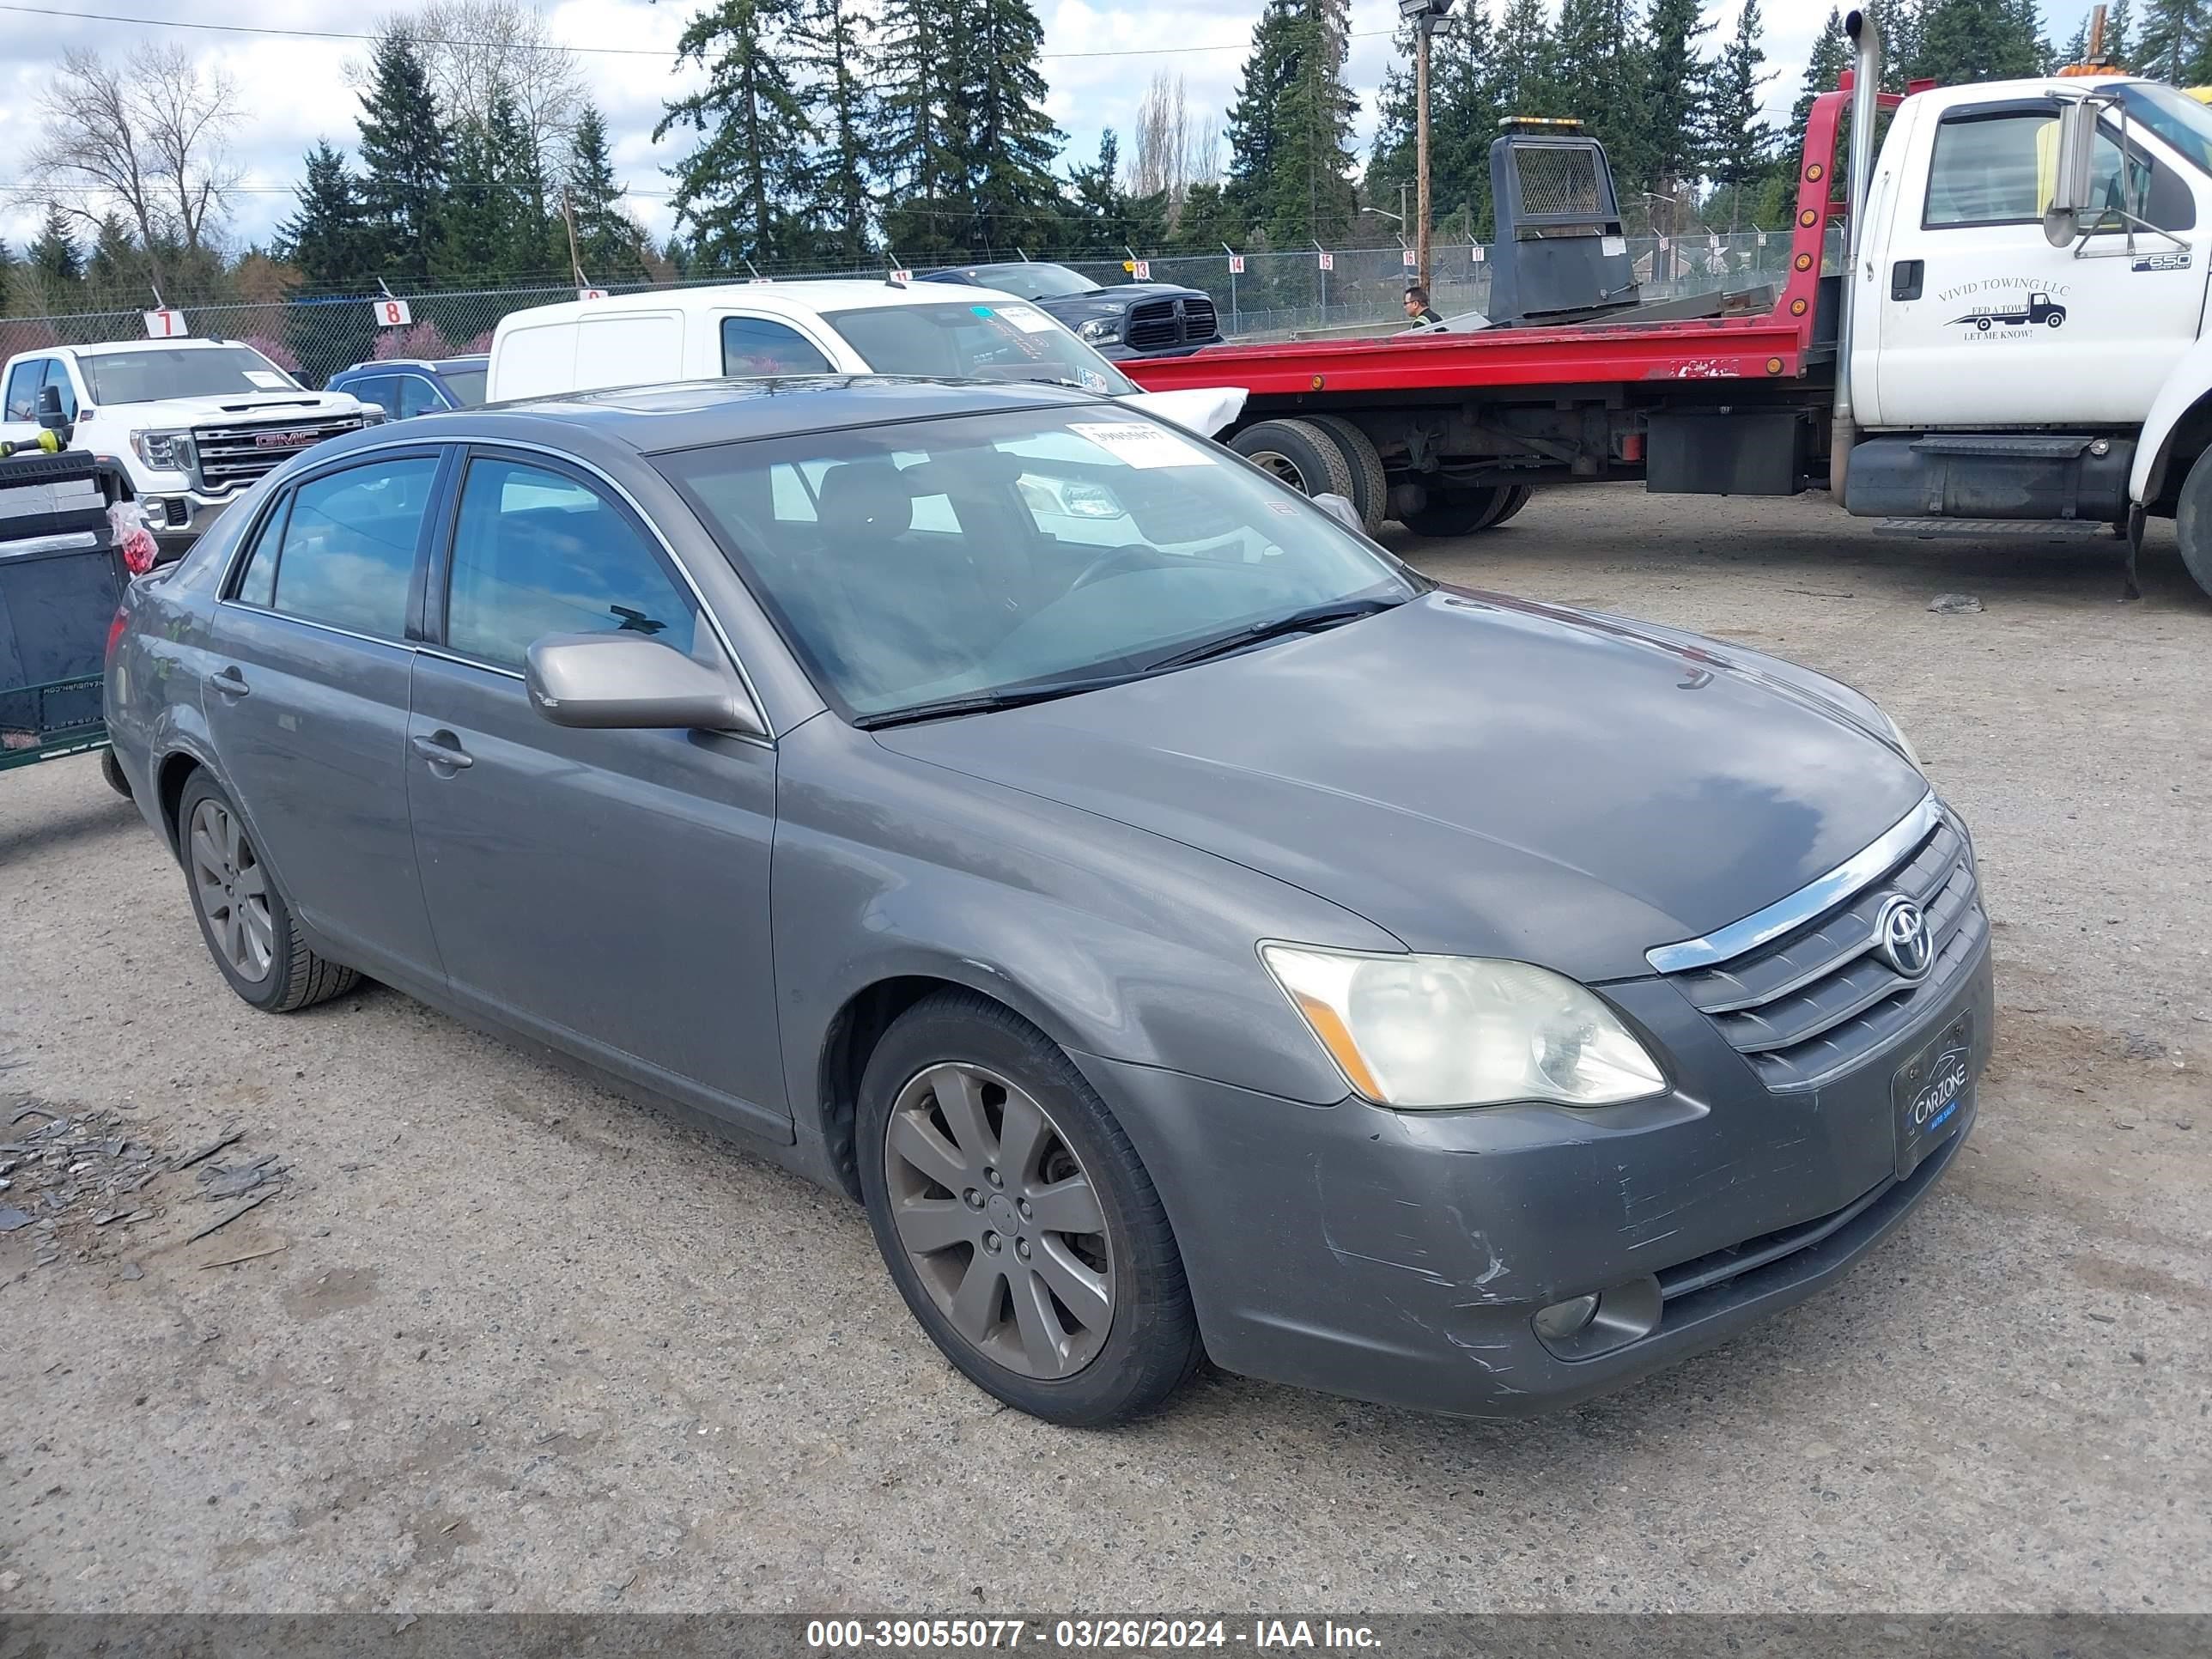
983 703
1313 618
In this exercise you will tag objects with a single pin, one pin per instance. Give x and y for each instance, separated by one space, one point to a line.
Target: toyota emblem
1900 935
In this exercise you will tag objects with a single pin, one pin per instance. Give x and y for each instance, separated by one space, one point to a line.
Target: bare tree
472 48
1202 161
147 140
1160 144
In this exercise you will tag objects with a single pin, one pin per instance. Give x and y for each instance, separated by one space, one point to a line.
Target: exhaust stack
1866 90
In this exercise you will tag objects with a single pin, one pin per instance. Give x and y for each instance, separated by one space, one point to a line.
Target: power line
664 54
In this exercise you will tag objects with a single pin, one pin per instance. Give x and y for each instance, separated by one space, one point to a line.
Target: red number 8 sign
392 314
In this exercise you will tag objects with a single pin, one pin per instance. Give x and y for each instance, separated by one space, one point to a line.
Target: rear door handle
443 750
230 683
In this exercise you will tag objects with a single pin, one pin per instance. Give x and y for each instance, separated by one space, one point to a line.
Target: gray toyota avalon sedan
1189 932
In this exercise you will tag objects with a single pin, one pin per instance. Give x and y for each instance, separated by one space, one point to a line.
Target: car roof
785 299
107 348
690 414
377 365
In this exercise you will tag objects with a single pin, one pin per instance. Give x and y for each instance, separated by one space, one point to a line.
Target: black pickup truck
1130 319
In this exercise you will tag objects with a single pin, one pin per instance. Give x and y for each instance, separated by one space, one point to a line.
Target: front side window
58 376
2001 169
912 562
985 340
537 552
23 382
757 346
347 553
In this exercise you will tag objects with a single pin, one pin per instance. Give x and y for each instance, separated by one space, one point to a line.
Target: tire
957 1059
1370 488
2192 521
1514 497
256 946
1983 324
2054 320
1460 514
112 769
1299 453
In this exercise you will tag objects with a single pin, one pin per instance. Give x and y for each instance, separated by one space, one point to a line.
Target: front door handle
230 683
444 749
1904 278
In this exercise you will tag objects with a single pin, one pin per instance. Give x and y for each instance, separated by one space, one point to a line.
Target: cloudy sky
1099 53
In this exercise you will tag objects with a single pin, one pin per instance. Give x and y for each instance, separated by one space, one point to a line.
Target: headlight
1442 1031
1101 331
165 451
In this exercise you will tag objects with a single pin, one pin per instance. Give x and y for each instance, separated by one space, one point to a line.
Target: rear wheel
1016 1219
1371 488
1514 497
112 769
2192 521
243 917
1298 452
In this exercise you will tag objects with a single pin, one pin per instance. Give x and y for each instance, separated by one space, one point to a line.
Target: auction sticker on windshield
1136 444
1028 319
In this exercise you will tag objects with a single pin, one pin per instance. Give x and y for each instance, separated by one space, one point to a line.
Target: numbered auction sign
1406 258
164 324
392 314
1475 251
1328 262
901 278
591 293
1142 270
1235 265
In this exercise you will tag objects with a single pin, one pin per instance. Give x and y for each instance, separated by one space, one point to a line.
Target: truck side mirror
2069 195
50 412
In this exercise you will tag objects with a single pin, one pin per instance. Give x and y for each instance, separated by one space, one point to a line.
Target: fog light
1562 1320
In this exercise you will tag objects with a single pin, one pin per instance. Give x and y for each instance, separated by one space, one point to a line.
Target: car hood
1111 301
1477 774
254 407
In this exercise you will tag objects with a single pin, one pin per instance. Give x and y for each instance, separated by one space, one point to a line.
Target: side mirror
50 412
2077 151
626 682
1341 510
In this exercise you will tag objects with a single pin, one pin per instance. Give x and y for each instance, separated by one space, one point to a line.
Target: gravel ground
496 1340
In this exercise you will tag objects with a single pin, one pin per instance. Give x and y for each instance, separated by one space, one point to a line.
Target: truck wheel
1298 452
1516 497
2192 521
1461 513
1371 489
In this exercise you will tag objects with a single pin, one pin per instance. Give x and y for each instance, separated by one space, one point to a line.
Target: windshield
2174 116
921 561
156 373
1031 282
466 384
980 341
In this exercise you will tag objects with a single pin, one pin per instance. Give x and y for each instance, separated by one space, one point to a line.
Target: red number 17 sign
392 314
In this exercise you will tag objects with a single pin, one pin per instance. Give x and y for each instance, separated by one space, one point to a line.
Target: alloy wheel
1000 1219
232 890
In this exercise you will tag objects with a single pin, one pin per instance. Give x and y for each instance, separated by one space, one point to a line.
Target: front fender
2185 387
1112 940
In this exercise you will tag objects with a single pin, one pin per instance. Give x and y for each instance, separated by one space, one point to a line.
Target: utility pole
1424 16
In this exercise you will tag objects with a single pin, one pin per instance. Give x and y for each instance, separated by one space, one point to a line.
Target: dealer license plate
1932 1091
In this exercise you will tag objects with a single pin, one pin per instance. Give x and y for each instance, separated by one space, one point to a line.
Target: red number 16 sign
392 314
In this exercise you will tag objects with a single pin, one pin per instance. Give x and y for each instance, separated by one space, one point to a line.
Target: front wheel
1016 1219
2192 521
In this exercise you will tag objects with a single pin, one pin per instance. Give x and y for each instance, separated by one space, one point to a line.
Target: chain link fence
1259 296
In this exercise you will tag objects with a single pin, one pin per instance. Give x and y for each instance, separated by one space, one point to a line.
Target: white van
759 329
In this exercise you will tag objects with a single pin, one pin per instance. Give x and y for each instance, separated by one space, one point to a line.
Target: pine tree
328 239
1008 142
526 235
1739 142
1674 78
1600 79
2175 37
1312 183
1463 113
1831 57
835 53
1101 217
926 179
1525 62
607 237
1255 118
1963 40
54 259
479 217
403 154
738 187
117 265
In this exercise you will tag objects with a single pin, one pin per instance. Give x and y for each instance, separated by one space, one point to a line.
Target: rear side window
257 583
417 396
537 552
756 346
347 553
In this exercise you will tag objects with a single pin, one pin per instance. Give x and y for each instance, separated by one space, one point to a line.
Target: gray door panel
605 891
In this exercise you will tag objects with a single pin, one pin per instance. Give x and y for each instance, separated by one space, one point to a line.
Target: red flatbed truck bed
1451 427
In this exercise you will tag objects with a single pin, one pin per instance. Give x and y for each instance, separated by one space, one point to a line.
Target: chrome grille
1814 1002
230 457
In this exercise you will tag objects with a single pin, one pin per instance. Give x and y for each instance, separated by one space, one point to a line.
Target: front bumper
1400 1257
